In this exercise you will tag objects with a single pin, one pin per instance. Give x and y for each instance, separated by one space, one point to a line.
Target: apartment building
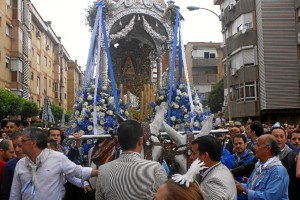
204 63
261 66
75 78
34 62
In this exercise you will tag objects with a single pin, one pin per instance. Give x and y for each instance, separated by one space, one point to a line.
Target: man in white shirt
39 175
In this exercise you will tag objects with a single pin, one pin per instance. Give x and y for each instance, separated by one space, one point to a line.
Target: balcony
207 78
231 13
244 109
240 40
205 62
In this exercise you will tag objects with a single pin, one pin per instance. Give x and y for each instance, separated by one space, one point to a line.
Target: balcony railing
205 62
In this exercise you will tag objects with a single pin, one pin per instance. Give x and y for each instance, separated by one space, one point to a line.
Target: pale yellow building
33 60
75 78
204 63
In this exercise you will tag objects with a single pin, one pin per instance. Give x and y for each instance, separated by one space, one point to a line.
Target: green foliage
57 112
216 97
68 115
13 105
10 104
92 12
170 14
38 124
29 109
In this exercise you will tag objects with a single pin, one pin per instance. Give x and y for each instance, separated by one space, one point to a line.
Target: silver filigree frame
124 31
119 14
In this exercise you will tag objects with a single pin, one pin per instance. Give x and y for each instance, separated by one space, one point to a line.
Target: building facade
34 62
261 68
75 78
204 63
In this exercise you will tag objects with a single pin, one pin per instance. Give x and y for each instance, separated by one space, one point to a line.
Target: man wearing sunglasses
39 175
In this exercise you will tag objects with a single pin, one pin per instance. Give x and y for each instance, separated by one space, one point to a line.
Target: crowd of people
251 161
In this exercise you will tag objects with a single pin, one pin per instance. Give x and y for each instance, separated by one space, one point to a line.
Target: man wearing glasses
39 175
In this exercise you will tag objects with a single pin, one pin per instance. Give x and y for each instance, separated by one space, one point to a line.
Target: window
38 59
55 87
49 83
7 62
248 25
250 90
7 30
247 91
45 85
32 76
38 85
206 54
8 3
45 61
212 55
16 77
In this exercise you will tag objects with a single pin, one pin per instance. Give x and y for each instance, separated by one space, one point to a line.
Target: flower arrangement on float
83 115
180 108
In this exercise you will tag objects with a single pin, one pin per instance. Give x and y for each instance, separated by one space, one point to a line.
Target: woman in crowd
171 190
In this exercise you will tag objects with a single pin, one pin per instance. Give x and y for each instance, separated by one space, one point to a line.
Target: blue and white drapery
182 60
94 60
47 115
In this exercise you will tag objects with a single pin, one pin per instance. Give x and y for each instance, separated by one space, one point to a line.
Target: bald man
269 179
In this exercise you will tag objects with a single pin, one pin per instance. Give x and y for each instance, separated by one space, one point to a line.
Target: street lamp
192 8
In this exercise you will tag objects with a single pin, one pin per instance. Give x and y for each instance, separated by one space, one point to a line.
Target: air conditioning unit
233 71
231 7
221 16
8 6
48 47
244 30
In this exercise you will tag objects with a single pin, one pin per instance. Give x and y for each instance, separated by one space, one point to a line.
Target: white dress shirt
49 178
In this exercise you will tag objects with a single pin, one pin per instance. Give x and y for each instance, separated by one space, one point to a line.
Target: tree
29 109
216 97
57 112
10 104
68 115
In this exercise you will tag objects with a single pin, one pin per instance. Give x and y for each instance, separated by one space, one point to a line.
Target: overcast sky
68 21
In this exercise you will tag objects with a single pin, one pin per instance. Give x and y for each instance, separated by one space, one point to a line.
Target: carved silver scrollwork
129 3
152 32
147 3
124 31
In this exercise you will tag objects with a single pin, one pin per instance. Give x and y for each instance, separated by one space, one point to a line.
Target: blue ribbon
89 65
95 118
27 186
176 27
180 59
111 71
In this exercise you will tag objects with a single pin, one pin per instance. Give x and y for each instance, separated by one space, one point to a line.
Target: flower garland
83 115
181 115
